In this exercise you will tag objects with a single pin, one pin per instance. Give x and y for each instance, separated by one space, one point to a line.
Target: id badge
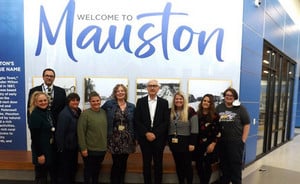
175 140
121 127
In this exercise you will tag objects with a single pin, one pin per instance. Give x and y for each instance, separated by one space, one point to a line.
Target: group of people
59 130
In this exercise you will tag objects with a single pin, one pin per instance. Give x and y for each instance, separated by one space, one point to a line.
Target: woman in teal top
92 138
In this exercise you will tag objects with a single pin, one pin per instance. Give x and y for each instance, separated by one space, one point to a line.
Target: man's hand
150 136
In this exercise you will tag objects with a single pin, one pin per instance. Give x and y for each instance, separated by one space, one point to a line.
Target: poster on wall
167 89
67 83
155 38
12 80
103 86
197 88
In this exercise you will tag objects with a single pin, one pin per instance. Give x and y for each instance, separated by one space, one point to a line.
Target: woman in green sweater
92 138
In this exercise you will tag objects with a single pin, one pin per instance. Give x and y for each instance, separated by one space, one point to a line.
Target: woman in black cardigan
66 140
206 152
42 137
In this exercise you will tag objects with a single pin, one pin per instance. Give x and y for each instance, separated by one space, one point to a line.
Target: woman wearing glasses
235 122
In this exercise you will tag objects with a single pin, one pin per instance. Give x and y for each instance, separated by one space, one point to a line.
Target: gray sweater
184 128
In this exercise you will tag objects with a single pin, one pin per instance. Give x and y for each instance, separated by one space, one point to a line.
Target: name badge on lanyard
121 127
175 140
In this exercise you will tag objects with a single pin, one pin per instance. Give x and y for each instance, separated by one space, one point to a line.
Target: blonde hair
183 116
33 99
114 93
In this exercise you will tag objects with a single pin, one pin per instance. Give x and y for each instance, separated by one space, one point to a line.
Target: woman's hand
210 148
191 147
41 159
84 153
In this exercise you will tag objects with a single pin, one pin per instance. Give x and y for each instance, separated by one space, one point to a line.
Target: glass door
277 84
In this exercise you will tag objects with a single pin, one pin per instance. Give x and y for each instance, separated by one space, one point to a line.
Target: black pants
67 166
91 170
41 174
203 166
231 157
152 152
184 170
118 169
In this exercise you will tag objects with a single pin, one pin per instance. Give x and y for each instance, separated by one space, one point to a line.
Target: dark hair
233 91
72 96
93 94
212 109
48 69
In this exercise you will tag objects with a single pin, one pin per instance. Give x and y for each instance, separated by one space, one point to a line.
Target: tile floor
281 166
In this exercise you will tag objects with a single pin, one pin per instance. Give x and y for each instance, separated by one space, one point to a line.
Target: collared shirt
49 91
152 107
46 88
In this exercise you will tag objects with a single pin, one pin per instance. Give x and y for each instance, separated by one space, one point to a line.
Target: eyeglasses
227 95
50 76
152 86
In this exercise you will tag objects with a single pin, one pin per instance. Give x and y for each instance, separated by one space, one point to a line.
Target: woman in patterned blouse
121 141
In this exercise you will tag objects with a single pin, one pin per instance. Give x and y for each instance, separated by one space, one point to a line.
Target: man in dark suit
56 94
151 123
57 101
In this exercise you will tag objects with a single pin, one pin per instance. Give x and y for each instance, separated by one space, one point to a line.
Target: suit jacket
160 122
58 103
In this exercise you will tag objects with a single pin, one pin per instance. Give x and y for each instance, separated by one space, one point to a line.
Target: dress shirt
152 107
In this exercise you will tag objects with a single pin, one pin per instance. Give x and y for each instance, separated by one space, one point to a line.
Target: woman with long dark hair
206 152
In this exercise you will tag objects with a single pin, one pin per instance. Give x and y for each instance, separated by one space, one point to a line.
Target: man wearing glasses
57 101
151 123
57 95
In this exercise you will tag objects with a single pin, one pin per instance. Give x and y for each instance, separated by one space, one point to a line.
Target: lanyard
49 91
177 116
50 120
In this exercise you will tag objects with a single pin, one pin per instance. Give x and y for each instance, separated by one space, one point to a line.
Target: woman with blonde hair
42 137
180 140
